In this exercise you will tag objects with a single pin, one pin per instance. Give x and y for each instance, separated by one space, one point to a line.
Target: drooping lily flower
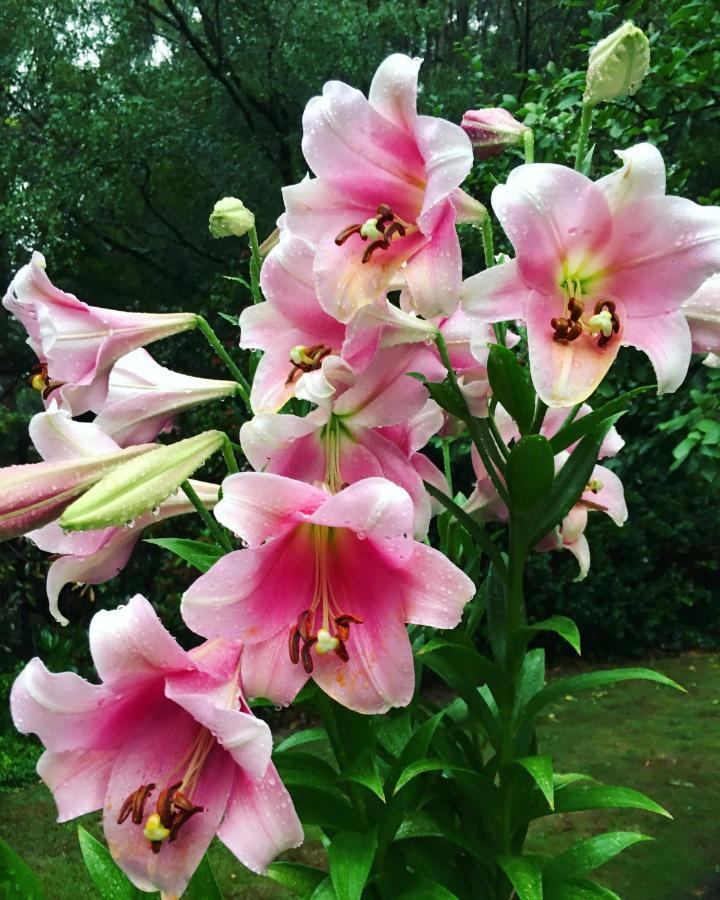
386 194
166 745
76 456
339 443
144 397
94 557
599 265
603 493
702 311
324 589
77 344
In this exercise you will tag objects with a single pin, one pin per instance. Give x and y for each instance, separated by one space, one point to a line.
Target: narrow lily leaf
511 386
17 879
540 769
530 473
327 809
324 891
531 679
579 427
588 855
141 484
202 885
496 613
302 880
110 881
524 875
562 625
351 855
420 766
306 736
422 824
199 554
590 680
424 889
581 889
577 797
364 771
445 395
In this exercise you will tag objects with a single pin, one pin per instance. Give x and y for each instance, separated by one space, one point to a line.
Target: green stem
501 445
529 145
583 135
325 707
255 264
478 434
539 417
215 343
229 454
471 526
447 465
487 239
220 537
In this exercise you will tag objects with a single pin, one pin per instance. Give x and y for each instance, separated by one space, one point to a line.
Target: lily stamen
306 359
382 228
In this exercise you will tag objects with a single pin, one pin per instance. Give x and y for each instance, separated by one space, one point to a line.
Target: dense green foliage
124 120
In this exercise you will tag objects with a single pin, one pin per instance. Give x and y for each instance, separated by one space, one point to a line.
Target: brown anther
307 662
384 215
346 233
610 307
382 244
181 816
393 229
342 626
164 805
155 846
304 623
341 650
294 646
576 308
135 804
316 354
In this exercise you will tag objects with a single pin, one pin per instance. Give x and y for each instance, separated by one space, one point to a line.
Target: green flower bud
141 484
230 217
618 65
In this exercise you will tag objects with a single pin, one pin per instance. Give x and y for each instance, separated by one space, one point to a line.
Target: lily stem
229 455
487 239
220 537
216 344
583 136
255 264
529 145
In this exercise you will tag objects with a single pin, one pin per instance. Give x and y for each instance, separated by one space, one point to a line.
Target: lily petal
667 341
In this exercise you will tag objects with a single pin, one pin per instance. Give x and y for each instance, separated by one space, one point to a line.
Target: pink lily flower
339 443
144 397
324 589
77 344
94 557
387 194
604 491
76 455
599 265
166 745
702 311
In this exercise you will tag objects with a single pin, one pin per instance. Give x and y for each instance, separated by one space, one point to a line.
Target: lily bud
618 65
141 484
230 217
34 494
491 131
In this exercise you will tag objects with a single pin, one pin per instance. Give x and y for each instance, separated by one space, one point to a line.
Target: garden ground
637 735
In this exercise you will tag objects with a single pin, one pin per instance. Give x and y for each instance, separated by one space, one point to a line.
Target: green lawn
636 735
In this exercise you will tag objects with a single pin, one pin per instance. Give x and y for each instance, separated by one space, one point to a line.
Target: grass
637 735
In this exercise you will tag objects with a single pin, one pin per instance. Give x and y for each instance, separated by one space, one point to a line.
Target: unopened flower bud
491 131
617 65
230 217
140 485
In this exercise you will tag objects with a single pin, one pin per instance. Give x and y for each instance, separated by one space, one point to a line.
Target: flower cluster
364 313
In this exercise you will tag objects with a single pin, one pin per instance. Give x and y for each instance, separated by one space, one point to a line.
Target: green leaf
17 879
324 891
540 769
590 680
445 395
422 824
424 889
569 484
302 880
511 386
351 855
316 806
420 766
300 738
530 680
202 885
530 473
582 425
577 797
496 613
580 889
364 770
524 875
588 855
199 554
110 881
562 625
